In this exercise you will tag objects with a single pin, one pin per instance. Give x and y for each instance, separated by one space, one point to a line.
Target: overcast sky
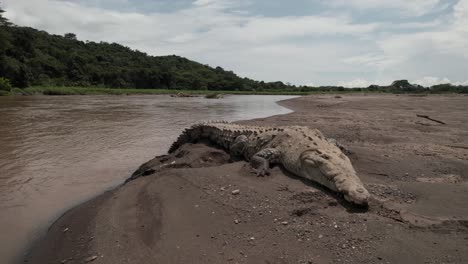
313 42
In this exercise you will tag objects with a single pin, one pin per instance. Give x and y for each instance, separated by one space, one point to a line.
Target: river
56 152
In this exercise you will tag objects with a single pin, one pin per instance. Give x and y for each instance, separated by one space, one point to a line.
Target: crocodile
302 151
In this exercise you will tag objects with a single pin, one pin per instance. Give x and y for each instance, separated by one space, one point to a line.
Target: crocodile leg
238 146
261 161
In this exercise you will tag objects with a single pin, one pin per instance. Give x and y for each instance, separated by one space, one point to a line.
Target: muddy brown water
56 152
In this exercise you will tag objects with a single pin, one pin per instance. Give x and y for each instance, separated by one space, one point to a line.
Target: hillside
30 57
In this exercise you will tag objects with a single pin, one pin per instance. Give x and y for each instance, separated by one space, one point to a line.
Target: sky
353 43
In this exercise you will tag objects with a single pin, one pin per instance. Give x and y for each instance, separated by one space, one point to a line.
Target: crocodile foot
262 171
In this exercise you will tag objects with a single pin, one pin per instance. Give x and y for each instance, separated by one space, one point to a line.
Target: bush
5 84
18 91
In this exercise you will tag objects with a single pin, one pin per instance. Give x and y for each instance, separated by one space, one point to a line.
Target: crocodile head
334 170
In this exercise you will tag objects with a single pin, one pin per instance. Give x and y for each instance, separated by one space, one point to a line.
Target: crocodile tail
197 132
188 135
205 130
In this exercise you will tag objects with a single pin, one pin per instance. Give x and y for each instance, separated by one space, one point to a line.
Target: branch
427 117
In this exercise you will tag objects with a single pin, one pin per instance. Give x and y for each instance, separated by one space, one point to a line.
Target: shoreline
147 216
68 91
45 230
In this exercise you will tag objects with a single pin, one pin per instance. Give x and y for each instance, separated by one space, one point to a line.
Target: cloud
451 39
204 2
354 83
305 25
219 4
439 50
411 7
373 60
429 81
360 83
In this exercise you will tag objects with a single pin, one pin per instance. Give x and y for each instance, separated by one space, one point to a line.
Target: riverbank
415 168
112 91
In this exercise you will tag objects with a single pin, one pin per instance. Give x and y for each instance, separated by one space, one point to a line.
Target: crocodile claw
262 172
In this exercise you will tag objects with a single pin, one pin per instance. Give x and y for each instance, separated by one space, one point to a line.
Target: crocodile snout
358 196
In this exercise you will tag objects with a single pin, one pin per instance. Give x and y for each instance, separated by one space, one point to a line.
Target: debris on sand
90 259
450 178
183 95
434 120
214 96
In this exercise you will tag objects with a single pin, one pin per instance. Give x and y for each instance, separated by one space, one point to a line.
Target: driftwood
379 174
459 147
434 120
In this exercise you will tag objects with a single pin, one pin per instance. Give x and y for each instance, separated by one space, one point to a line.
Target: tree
3 20
5 84
5 39
3 34
70 36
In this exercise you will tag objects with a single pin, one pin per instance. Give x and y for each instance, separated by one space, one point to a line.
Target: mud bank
198 206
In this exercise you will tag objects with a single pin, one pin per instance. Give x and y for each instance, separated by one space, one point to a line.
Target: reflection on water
58 151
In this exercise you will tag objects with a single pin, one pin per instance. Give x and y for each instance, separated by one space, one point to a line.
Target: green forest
30 57
33 58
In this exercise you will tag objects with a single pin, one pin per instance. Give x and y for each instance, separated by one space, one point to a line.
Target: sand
205 208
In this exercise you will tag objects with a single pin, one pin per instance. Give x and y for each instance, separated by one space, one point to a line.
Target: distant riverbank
123 91
114 91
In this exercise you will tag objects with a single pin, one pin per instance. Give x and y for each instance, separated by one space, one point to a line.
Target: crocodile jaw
358 196
336 172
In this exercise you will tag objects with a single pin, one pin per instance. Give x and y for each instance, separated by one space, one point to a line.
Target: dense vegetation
35 58
29 57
